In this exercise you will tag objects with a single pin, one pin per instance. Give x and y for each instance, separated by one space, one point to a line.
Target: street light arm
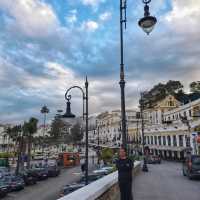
68 97
66 94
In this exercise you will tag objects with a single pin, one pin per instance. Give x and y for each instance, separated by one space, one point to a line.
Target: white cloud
58 71
184 16
90 26
93 3
105 16
72 17
33 18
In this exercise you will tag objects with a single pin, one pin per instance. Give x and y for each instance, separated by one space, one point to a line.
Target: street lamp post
123 20
44 110
144 167
186 121
69 115
98 150
147 23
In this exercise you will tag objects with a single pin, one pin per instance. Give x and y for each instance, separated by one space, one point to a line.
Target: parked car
14 182
3 171
102 172
191 166
3 189
70 188
108 168
153 159
28 177
52 167
91 178
39 173
53 170
105 170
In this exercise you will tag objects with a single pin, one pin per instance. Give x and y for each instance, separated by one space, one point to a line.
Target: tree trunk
29 151
20 147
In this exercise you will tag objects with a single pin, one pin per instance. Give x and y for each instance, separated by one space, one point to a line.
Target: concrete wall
113 192
105 188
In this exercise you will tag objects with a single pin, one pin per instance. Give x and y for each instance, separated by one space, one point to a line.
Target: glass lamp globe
147 23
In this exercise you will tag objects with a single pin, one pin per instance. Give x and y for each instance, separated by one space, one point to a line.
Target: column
177 140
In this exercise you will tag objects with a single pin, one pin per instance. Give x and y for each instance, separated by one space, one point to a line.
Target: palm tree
44 110
30 128
13 135
17 133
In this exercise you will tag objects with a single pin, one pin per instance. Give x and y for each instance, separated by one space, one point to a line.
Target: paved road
48 189
165 182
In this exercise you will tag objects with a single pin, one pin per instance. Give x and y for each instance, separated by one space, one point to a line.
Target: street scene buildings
171 128
99 100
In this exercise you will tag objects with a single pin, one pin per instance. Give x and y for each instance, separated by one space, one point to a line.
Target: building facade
172 128
107 131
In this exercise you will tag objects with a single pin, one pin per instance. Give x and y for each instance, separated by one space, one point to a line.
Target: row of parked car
9 181
95 175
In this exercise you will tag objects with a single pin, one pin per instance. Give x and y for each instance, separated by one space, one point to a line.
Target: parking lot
47 189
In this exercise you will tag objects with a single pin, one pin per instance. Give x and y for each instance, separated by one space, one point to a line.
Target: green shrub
6 155
107 155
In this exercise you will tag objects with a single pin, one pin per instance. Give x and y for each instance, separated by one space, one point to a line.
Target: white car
108 168
101 171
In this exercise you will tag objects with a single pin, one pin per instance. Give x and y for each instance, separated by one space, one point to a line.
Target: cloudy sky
47 46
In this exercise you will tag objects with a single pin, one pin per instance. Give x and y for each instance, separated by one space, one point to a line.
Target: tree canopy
175 88
195 86
76 133
160 91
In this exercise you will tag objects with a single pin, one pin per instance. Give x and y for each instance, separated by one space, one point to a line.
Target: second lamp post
69 115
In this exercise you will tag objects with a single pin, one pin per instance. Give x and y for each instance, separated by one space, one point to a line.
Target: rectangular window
159 140
151 139
148 142
187 139
145 140
180 140
190 113
155 140
174 140
164 140
169 140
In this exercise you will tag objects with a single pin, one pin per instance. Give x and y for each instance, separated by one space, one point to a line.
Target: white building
108 128
43 131
172 128
5 141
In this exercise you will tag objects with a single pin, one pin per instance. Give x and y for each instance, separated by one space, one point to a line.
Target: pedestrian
124 166
83 167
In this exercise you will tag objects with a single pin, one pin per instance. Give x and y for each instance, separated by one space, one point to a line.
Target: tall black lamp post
68 115
98 150
147 23
144 167
186 121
